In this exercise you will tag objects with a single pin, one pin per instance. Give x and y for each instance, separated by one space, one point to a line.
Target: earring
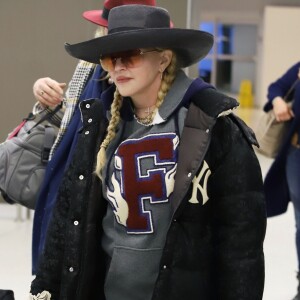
161 74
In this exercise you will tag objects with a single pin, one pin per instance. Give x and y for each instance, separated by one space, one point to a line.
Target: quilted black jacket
213 251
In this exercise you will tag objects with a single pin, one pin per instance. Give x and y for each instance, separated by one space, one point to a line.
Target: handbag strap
47 116
291 89
48 142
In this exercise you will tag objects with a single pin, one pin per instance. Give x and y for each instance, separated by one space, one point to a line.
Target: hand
281 110
48 91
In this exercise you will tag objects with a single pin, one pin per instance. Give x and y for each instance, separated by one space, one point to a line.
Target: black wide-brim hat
141 26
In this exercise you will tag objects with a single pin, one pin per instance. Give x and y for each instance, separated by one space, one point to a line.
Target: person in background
164 196
282 181
88 81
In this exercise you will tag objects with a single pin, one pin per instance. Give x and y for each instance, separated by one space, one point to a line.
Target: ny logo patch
199 193
144 173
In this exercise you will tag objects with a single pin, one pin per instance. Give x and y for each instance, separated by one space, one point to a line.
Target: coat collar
193 147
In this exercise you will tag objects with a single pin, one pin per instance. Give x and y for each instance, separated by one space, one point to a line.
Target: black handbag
7 295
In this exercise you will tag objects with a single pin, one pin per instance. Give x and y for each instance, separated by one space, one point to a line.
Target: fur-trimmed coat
213 249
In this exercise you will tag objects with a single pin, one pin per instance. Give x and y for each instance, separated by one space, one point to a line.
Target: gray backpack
24 156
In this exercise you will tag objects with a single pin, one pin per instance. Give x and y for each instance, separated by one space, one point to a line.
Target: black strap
47 116
291 89
48 142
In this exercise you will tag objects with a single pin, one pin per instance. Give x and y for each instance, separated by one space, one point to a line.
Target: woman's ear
166 57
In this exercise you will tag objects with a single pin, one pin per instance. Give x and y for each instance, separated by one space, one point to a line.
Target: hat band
122 29
105 13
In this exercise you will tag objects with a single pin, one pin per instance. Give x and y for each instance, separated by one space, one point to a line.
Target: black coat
213 250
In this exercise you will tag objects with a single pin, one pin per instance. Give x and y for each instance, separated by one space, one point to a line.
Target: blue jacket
275 183
56 167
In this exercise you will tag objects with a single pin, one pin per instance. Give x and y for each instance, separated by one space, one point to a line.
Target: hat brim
94 16
190 45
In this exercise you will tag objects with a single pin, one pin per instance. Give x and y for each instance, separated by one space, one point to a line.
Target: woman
177 210
282 180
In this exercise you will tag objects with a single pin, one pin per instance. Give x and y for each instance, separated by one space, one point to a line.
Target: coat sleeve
239 217
281 86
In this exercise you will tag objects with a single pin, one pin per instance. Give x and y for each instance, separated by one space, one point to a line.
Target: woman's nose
118 64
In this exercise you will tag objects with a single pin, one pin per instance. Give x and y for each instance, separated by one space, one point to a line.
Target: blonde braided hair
167 80
111 131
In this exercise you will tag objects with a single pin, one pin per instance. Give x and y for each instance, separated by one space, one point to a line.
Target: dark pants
293 179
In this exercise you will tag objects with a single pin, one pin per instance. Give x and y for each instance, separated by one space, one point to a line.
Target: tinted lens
106 63
130 59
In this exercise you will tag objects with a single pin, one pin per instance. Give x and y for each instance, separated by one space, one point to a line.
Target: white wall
234 6
281 44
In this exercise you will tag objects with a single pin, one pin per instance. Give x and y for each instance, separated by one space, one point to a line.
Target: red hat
100 17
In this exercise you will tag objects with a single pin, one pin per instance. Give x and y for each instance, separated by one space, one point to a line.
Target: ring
42 93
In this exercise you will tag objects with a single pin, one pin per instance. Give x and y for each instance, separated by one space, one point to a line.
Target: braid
111 131
167 80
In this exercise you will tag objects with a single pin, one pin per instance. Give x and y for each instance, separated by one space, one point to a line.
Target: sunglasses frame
130 58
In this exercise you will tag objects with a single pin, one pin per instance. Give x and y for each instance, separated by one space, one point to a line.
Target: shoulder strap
46 117
287 98
49 138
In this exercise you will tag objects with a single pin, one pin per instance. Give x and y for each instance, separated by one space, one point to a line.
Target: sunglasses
130 58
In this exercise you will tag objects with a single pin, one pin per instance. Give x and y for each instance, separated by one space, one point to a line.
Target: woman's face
137 74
